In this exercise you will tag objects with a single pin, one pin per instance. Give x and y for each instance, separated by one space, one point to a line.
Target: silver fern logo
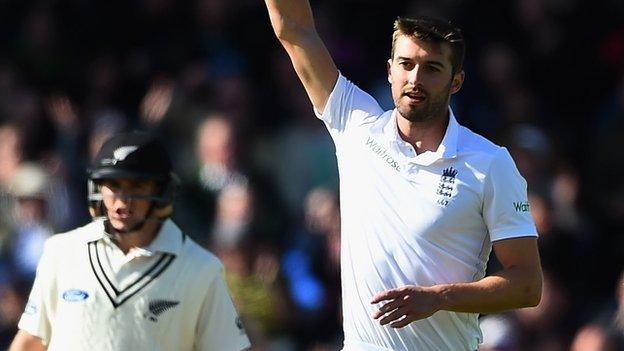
122 152
157 307
119 154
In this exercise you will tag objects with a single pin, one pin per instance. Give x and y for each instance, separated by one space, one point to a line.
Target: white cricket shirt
170 295
416 219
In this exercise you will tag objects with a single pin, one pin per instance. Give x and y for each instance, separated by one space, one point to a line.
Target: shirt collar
168 239
94 231
447 147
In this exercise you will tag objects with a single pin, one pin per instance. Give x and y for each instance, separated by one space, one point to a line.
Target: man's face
421 77
126 200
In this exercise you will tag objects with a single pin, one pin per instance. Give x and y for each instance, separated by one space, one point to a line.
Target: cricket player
423 199
130 279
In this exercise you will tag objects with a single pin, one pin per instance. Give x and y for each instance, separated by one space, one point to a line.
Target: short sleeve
36 317
506 209
220 328
348 105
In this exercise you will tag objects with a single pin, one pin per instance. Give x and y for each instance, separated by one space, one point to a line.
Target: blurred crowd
259 176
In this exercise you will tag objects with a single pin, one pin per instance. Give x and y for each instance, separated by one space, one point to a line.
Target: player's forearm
291 19
26 342
294 26
515 287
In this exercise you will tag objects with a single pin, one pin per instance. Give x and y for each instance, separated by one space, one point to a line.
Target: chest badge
75 295
446 186
157 307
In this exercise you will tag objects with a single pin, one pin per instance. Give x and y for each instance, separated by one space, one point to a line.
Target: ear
458 81
388 64
163 212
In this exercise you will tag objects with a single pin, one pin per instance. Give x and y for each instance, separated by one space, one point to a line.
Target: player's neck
137 238
426 135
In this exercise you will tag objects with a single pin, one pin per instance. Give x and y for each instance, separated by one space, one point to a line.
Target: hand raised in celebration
406 304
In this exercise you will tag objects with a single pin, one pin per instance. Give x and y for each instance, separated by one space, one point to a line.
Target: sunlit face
127 201
215 142
421 77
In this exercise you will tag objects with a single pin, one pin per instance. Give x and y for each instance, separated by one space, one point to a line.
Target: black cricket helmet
133 155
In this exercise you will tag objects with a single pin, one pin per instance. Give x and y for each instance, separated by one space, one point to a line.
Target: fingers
390 306
405 305
394 315
387 295
402 322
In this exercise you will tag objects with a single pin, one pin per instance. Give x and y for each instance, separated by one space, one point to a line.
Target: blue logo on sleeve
31 308
73 295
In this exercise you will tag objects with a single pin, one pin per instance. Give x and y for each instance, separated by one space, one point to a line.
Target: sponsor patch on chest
74 295
380 151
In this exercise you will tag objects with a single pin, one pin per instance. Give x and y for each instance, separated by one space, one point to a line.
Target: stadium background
259 180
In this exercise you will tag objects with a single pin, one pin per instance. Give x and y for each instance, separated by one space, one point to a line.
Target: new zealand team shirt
421 219
171 295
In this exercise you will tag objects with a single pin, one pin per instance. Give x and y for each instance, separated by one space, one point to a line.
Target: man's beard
433 107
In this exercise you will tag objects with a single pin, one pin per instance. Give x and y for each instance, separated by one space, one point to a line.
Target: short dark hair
434 30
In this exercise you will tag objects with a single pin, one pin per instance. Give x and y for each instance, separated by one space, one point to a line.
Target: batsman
130 279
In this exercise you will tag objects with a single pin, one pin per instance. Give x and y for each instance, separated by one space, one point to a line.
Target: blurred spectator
302 146
10 152
564 193
30 190
10 159
157 101
531 150
106 124
215 168
13 296
619 314
65 163
251 266
605 193
311 267
219 166
546 327
561 249
235 212
499 333
594 337
216 153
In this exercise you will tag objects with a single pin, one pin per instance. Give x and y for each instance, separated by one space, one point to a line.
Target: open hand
406 304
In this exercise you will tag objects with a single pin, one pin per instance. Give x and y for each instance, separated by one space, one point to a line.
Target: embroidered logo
446 186
31 308
157 307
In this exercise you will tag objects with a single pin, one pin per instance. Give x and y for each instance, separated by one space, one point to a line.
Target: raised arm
293 25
